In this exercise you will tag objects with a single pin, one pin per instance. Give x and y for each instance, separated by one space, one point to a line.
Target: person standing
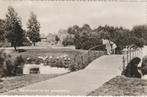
108 45
113 48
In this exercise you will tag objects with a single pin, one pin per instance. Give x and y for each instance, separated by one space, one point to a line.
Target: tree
73 30
85 37
68 40
140 31
33 29
13 27
57 39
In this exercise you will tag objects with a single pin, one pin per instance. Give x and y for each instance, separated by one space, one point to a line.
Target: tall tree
57 39
33 29
2 30
140 31
73 30
13 27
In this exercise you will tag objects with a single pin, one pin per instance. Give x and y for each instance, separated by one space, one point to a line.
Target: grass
10 83
121 86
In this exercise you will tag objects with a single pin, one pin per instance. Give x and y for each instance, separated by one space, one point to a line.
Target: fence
84 59
130 53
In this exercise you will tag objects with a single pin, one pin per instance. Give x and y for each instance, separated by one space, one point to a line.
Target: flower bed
72 63
52 61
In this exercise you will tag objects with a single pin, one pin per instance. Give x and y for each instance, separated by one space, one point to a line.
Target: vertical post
88 57
136 53
130 54
82 60
133 54
127 56
75 58
123 63
95 55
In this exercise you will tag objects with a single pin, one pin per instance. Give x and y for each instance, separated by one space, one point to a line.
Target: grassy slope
11 83
120 86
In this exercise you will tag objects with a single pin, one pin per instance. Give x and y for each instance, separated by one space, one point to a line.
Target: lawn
122 86
14 82
10 83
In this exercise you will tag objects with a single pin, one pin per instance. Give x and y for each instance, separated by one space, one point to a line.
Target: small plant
73 67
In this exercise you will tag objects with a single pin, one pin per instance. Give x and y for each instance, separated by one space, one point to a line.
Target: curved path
144 51
77 83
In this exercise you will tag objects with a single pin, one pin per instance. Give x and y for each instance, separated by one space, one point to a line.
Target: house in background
43 41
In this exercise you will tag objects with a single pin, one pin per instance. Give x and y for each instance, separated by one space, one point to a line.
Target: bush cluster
68 41
132 68
10 66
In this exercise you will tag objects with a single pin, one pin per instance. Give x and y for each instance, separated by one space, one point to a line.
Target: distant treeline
84 37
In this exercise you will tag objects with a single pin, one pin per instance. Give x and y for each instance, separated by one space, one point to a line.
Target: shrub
8 67
68 41
132 68
144 65
74 67
18 65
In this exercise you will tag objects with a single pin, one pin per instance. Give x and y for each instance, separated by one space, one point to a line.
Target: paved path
77 83
144 51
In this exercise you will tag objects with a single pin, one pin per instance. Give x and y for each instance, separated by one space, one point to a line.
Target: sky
56 15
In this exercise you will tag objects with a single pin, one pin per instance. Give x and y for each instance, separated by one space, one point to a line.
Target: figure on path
113 47
108 44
